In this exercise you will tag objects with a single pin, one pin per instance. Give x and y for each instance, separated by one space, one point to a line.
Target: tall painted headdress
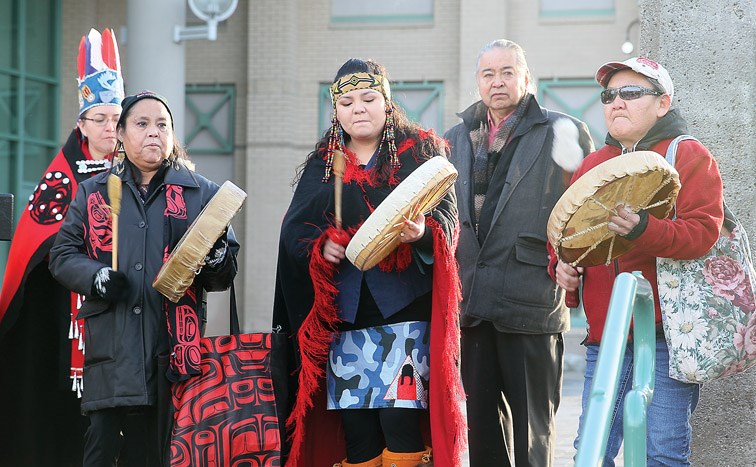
99 70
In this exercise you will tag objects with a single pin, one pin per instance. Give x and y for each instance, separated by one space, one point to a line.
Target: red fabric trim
406 144
314 336
448 424
397 260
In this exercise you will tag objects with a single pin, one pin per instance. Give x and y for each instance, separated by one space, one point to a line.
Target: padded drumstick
338 171
114 193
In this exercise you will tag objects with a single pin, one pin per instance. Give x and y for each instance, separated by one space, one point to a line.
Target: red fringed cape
305 308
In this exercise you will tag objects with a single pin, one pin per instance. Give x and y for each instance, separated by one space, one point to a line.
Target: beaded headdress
99 70
350 82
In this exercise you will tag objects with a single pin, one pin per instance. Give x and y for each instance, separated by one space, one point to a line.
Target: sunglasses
627 93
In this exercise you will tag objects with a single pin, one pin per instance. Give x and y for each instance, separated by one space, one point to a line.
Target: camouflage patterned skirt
379 367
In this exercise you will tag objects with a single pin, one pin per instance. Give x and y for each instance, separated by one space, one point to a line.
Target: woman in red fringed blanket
374 354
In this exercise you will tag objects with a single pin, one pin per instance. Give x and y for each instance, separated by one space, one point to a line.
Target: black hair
179 152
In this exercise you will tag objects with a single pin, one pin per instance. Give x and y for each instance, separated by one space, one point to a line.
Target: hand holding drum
416 195
588 224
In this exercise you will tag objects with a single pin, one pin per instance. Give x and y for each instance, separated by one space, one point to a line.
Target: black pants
513 384
103 440
366 430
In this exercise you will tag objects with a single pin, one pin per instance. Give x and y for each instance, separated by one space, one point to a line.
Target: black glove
111 285
640 228
217 253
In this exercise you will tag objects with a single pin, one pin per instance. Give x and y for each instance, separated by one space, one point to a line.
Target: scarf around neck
182 317
485 158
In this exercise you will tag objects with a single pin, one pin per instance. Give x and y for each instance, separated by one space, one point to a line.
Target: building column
475 31
708 48
154 61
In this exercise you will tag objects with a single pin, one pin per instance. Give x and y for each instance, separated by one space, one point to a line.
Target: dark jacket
504 278
124 339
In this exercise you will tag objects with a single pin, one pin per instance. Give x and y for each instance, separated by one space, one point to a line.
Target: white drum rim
584 188
379 229
186 259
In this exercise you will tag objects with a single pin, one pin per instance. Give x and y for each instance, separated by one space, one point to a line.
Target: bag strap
730 221
672 155
234 315
672 149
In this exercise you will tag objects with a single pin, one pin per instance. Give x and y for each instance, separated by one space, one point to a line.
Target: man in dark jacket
513 158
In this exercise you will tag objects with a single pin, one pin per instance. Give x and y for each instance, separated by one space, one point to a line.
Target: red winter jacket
700 215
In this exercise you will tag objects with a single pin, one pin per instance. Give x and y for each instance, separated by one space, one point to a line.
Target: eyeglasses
627 93
101 120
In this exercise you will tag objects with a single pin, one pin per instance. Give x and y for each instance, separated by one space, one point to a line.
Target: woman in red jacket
638 111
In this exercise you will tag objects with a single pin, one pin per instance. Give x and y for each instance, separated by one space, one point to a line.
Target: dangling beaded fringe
389 137
334 142
335 139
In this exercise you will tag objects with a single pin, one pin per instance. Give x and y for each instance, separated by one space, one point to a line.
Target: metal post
644 366
631 297
6 216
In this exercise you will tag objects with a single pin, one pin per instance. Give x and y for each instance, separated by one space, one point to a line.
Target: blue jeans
668 430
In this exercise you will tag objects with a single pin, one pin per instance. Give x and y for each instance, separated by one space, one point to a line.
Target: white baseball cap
644 66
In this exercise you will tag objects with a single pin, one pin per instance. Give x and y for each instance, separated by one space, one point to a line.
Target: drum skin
577 227
187 258
420 192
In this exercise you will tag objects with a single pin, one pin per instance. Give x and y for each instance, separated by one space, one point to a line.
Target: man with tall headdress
41 342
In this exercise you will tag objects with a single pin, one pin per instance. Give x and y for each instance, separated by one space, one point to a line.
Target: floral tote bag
708 305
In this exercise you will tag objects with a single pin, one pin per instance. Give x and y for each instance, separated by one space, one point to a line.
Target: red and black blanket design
34 236
227 415
38 332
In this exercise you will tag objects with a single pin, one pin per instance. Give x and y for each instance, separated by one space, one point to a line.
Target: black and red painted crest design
100 233
174 202
227 415
187 352
50 200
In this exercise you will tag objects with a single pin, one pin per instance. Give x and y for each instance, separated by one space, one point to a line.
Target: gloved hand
217 253
111 285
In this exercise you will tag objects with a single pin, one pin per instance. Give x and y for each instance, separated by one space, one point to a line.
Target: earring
335 139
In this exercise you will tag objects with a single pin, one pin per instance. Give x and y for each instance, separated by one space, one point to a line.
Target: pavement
569 410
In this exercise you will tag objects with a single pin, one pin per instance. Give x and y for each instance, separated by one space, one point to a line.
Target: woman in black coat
406 305
128 324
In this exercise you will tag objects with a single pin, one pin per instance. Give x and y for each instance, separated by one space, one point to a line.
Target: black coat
504 278
123 340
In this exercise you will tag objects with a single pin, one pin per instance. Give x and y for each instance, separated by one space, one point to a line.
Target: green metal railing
631 298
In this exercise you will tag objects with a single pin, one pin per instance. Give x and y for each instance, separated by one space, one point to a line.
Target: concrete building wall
709 50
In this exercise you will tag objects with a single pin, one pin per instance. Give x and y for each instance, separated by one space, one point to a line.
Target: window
29 97
578 98
421 101
371 11
560 8
210 118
